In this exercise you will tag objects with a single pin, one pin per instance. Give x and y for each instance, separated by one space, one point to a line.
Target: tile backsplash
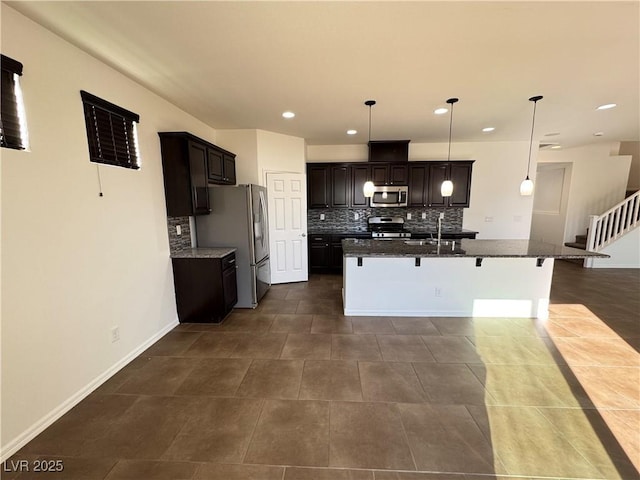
182 241
343 219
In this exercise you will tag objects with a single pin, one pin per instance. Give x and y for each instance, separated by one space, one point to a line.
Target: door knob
303 234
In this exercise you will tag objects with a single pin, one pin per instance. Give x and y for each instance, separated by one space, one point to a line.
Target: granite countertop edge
367 232
203 252
464 248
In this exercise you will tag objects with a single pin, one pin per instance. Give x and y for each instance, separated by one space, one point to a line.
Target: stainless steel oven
387 228
389 196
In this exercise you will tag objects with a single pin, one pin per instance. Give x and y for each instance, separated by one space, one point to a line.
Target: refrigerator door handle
263 219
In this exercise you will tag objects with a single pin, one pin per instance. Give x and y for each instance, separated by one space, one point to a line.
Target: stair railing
614 223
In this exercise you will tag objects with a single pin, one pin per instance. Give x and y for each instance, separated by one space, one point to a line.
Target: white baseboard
39 426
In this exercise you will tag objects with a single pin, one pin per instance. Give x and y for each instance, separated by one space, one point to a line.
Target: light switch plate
322 216
424 215
408 216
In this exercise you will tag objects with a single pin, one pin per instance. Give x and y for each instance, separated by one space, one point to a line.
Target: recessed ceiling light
552 134
556 147
607 106
351 132
288 114
598 134
441 111
488 129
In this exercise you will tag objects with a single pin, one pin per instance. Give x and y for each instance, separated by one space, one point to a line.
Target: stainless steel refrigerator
238 219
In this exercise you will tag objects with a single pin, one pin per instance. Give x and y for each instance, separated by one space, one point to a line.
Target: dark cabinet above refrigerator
190 164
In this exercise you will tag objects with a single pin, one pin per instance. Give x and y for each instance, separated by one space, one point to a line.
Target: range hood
389 150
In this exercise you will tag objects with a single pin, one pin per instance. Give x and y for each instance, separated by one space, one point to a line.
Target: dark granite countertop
461 248
460 231
366 232
209 252
330 231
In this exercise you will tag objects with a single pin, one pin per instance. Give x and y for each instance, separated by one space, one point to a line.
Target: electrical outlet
441 215
115 334
322 216
517 218
178 230
424 215
408 216
356 216
438 292
488 219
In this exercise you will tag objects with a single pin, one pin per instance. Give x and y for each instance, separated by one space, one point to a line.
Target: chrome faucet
440 217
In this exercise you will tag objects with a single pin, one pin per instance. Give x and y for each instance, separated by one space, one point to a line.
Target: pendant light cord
533 123
450 101
370 103
450 128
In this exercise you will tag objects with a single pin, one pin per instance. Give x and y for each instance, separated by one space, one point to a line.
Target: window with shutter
111 132
13 124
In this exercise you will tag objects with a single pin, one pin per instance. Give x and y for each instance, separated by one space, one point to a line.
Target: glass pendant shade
526 187
367 189
446 189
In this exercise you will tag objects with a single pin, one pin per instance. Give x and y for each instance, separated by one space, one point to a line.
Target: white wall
260 151
279 153
624 252
598 182
244 143
633 149
497 209
75 264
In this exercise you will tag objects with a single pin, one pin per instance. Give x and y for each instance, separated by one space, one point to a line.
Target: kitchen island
466 278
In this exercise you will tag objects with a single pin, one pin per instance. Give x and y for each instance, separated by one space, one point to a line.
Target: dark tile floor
296 391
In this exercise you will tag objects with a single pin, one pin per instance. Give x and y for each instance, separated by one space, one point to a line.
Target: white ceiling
241 64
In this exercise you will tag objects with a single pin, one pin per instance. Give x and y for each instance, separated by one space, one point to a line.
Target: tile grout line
406 437
253 430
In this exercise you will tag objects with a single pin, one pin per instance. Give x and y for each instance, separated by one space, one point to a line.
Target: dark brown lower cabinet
319 253
325 252
206 288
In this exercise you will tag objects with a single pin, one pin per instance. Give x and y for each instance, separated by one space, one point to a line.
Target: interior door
288 227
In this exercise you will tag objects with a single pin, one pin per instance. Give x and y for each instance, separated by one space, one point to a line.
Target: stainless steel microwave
389 196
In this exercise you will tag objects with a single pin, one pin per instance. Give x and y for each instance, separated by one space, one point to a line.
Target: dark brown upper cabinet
189 165
222 166
184 167
318 189
359 175
418 181
398 174
389 174
388 150
459 172
331 185
340 185
460 175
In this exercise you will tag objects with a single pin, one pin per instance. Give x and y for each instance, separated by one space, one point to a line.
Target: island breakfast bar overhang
470 278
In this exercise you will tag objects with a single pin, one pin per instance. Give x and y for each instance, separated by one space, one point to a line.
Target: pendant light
446 189
526 187
368 186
